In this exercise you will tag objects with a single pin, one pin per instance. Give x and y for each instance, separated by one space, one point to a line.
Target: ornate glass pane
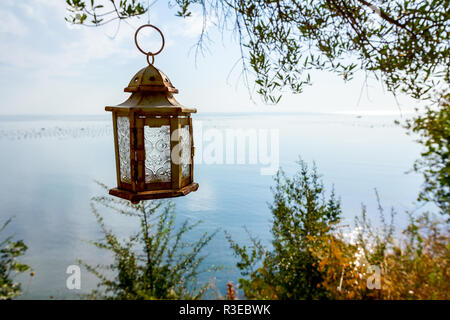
157 154
123 136
185 152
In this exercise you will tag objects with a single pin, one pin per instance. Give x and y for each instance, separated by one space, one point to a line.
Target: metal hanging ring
153 58
140 49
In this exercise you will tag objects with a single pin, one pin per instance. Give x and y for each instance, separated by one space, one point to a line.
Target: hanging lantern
153 137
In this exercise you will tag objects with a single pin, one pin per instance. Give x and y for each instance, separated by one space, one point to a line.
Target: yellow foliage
415 268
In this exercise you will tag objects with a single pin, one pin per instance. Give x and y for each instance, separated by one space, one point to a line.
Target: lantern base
153 194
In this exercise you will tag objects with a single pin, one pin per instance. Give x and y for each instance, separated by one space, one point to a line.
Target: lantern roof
150 79
151 89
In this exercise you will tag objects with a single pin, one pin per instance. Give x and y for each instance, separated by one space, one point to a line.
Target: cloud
57 65
49 48
11 24
32 13
191 27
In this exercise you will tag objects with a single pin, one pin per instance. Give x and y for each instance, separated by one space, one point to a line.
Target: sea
52 166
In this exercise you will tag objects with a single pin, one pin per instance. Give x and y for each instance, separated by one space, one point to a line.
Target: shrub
414 265
315 256
301 213
433 133
155 262
9 266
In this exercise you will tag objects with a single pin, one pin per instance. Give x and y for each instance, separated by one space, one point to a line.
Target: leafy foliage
9 266
420 269
412 266
155 262
300 214
404 43
313 257
97 13
401 42
433 129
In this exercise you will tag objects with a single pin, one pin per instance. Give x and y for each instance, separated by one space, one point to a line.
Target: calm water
50 166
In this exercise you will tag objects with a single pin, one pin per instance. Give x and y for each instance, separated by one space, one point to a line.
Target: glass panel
185 152
123 136
157 154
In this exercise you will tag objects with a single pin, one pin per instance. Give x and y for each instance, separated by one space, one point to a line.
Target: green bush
433 133
301 212
9 266
153 263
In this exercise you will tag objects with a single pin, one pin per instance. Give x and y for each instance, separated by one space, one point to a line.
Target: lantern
153 139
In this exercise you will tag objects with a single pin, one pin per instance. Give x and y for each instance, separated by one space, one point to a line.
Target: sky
48 66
